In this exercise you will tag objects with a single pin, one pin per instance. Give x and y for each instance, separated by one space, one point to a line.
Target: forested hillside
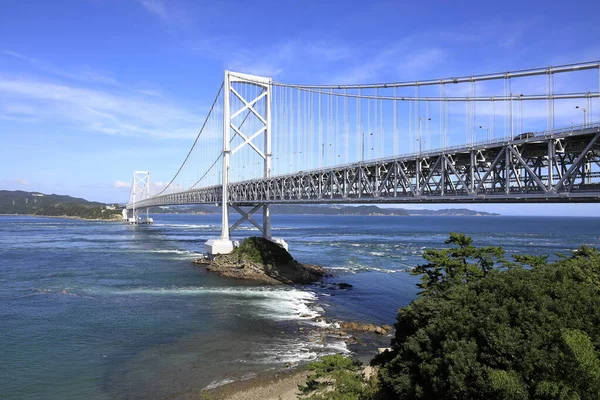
35 203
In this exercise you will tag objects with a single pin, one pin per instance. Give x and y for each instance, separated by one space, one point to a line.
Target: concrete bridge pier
225 245
133 216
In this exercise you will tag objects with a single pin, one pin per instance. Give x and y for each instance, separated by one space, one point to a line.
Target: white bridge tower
140 190
258 105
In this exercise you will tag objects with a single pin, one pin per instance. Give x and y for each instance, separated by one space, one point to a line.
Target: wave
216 384
188 226
50 292
269 303
246 228
364 268
235 290
172 251
293 353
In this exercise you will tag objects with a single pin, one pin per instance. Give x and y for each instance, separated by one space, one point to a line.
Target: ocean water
103 310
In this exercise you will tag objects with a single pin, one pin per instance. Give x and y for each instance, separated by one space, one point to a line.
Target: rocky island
263 261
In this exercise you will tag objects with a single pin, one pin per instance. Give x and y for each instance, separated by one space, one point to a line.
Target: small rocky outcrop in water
259 259
356 326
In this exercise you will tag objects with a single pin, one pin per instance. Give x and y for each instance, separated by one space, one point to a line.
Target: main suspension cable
195 141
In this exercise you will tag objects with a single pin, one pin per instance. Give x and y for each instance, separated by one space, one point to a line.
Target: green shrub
485 328
262 251
531 331
336 377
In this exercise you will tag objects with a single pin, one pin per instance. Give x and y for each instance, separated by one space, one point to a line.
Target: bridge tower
257 105
140 190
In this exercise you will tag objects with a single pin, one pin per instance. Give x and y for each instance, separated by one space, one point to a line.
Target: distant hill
335 210
449 212
290 209
300 209
36 203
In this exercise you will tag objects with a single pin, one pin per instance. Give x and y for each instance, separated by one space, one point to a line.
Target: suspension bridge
522 136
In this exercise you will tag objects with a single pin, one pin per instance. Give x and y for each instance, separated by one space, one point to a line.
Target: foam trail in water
173 251
277 304
187 226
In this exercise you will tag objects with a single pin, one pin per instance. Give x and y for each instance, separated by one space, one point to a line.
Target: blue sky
92 90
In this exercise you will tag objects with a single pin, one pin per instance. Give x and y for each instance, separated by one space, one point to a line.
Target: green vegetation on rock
487 328
262 251
336 377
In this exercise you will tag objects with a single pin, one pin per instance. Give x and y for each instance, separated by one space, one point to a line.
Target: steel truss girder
247 216
549 168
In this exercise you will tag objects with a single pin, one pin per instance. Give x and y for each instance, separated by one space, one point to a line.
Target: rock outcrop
263 261
356 326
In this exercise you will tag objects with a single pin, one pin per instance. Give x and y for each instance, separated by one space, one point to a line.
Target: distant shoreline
344 215
65 217
118 219
330 209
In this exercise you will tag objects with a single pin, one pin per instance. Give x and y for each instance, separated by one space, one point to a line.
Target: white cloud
121 185
156 7
14 183
171 13
402 59
273 59
156 187
19 108
98 110
81 74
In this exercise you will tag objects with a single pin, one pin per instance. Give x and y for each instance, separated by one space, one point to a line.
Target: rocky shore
262 261
265 262
283 384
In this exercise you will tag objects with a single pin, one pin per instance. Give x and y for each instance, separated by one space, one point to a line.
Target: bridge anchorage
265 142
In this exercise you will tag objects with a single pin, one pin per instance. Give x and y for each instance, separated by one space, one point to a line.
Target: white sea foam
246 228
356 268
297 352
188 226
278 304
174 251
285 304
216 384
350 270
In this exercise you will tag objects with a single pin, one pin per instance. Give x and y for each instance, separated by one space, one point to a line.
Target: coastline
65 217
282 384
272 385
361 342
269 385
